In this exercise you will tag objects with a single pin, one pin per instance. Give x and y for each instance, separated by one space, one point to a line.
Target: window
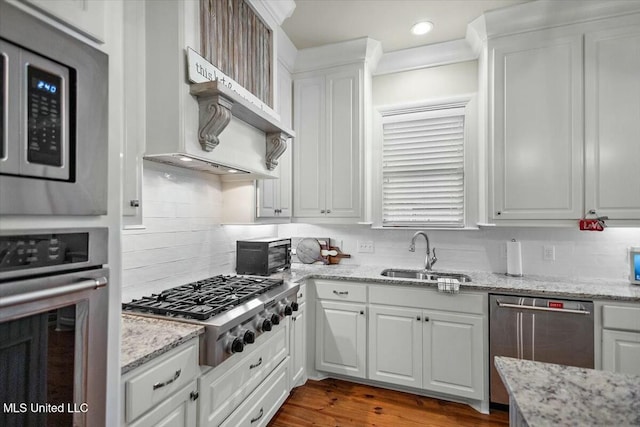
423 166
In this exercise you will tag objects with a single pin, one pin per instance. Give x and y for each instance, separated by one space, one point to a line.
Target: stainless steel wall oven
53 120
53 335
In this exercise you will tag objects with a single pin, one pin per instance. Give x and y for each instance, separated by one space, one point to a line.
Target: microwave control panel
44 144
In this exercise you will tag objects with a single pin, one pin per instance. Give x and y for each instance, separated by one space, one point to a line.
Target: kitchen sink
431 276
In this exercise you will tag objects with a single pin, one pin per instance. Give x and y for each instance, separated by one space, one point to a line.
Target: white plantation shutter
423 168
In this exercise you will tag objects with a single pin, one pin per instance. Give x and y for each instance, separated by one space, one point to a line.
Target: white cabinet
621 338
537 127
163 391
395 345
328 149
298 341
426 349
341 338
452 354
274 195
563 104
612 108
179 410
87 17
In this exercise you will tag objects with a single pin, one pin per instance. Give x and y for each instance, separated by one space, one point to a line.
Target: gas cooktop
203 299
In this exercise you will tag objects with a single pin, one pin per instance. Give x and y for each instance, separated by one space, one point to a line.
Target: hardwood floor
340 403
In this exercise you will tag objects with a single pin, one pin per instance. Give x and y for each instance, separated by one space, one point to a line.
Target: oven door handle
83 285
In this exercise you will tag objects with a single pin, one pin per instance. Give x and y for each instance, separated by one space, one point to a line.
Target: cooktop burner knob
275 319
288 310
294 306
249 337
237 345
266 325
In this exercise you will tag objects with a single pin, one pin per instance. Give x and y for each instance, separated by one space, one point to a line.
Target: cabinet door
343 171
298 346
284 183
341 338
612 109
453 354
621 352
395 345
267 198
309 165
179 410
537 127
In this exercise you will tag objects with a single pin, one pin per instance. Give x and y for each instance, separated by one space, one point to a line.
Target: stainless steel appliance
541 329
53 120
234 310
53 335
263 256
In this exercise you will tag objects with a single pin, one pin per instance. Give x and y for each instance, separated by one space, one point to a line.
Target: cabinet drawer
264 402
428 298
160 379
341 291
222 393
621 317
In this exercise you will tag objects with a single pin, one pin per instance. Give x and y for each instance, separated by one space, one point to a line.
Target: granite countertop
144 338
546 394
580 288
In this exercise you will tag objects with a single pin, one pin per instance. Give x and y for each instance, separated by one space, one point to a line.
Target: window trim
471 182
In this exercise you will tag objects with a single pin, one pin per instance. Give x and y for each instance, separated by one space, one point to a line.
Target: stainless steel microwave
53 120
263 257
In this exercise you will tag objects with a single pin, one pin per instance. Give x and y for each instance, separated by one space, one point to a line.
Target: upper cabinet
612 118
331 110
537 126
562 115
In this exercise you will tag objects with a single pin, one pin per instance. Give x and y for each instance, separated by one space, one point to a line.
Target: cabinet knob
322 211
134 203
426 319
361 311
418 318
194 395
328 210
498 213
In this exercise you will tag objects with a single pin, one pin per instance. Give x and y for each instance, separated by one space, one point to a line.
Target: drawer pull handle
256 365
169 381
253 420
341 292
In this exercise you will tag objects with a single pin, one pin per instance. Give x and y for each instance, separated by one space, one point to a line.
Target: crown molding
432 55
362 50
476 34
542 14
277 11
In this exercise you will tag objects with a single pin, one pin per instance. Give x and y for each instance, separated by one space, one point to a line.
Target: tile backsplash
184 240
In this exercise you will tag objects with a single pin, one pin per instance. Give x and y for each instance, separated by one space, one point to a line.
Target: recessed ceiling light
421 28
232 171
186 159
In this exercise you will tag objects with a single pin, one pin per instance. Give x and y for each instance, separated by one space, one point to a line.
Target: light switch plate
549 253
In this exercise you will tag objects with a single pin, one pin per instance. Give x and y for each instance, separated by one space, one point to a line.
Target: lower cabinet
163 391
226 389
621 338
298 344
414 337
341 338
427 349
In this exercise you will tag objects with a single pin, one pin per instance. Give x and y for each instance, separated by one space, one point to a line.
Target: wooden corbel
214 116
276 146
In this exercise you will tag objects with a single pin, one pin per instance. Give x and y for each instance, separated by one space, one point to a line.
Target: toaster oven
263 257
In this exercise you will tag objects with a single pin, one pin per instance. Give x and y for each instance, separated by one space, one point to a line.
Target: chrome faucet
429 260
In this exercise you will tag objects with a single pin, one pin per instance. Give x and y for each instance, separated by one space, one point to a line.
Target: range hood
234 137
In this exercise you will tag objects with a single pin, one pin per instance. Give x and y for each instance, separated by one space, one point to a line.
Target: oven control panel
40 250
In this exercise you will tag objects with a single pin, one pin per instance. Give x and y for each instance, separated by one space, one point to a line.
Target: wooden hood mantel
217 104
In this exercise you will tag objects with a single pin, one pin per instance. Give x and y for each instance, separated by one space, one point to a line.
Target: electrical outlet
549 253
366 246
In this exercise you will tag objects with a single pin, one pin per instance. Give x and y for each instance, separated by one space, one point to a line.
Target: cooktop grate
203 299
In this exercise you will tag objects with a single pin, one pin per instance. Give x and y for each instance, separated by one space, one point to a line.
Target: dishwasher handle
531 307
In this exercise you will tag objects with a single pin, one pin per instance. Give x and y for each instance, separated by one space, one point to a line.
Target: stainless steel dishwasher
541 329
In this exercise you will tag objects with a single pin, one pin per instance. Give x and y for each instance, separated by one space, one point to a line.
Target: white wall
578 254
183 240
